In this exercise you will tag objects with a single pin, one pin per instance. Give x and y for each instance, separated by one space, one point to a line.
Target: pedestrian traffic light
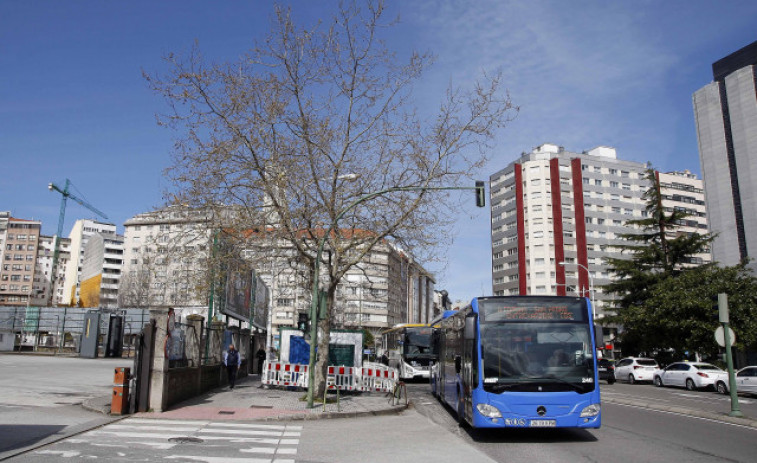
480 194
302 322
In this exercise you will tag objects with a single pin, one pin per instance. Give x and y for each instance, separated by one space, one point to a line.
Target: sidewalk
251 401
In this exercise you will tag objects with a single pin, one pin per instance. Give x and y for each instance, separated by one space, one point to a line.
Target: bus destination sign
506 311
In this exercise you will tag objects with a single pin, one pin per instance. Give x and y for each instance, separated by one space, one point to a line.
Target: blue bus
520 362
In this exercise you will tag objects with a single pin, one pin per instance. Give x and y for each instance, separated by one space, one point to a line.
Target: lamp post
315 296
591 285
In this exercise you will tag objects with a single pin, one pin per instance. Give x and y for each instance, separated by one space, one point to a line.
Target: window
597 182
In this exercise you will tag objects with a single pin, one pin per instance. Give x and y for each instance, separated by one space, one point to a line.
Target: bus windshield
537 356
418 343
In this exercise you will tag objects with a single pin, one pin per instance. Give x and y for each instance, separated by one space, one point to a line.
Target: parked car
746 381
635 369
691 375
606 370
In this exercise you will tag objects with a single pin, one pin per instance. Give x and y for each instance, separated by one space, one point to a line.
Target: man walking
232 360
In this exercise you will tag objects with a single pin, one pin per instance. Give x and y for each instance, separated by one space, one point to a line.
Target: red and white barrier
373 377
342 378
285 374
378 378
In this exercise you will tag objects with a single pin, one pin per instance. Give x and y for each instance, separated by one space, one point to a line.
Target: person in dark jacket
261 358
232 360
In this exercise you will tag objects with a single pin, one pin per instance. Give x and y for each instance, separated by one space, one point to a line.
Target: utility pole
723 318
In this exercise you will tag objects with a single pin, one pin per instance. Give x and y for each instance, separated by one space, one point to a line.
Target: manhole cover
261 406
185 440
225 412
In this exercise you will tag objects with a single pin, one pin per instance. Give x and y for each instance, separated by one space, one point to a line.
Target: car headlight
591 410
488 411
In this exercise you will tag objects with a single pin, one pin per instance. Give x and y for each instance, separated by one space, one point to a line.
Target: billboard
246 295
238 298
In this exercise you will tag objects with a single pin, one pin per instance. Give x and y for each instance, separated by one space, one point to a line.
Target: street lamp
316 297
591 285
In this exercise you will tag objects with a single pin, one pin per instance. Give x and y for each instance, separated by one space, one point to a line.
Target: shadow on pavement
17 436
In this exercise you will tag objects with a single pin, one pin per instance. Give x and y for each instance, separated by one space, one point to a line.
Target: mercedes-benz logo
541 410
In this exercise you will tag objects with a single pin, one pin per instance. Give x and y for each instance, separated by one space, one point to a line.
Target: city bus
520 362
410 349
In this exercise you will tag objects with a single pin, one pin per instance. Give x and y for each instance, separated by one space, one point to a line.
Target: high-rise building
19 239
82 230
557 215
684 191
101 271
726 119
51 288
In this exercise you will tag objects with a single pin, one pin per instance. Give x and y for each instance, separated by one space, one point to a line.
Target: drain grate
226 412
185 440
261 406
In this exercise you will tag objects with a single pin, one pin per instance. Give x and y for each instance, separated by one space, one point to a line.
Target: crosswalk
137 439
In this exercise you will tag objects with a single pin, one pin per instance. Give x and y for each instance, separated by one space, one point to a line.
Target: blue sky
73 103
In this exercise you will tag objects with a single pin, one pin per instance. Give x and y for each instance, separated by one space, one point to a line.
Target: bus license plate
543 423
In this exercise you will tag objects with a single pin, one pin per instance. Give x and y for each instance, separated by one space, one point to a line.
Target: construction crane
66 194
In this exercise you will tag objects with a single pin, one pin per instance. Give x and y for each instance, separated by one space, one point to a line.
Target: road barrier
372 377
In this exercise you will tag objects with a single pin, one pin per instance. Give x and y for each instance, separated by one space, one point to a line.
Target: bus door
469 373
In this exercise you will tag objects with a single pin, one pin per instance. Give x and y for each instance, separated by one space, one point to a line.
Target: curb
337 415
745 421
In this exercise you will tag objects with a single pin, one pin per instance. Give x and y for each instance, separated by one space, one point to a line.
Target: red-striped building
556 215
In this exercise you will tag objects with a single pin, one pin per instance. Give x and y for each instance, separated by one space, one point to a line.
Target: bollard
119 404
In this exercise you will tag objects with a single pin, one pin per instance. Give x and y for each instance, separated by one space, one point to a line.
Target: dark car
606 370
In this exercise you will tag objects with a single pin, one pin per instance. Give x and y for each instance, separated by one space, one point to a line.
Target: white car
635 369
691 375
746 381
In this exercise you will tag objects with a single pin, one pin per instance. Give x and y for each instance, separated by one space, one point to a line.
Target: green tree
679 313
657 251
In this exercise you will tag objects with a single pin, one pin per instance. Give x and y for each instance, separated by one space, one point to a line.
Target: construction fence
62 329
371 377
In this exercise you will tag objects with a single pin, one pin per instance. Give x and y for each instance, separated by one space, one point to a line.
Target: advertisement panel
239 292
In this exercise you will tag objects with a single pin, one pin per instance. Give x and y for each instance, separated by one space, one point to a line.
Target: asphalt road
39 403
41 397
628 433
705 400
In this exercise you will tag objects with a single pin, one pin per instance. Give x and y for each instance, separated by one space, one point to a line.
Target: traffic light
302 322
480 194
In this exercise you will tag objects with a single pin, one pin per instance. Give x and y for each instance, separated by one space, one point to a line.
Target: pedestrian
260 354
232 360
385 359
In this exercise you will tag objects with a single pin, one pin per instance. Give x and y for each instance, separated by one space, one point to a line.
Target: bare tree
310 121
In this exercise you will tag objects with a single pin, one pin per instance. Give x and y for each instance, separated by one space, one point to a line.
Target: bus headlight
591 410
488 411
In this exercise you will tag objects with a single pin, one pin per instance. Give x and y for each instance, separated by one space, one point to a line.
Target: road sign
720 336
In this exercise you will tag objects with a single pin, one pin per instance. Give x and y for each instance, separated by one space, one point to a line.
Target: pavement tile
250 400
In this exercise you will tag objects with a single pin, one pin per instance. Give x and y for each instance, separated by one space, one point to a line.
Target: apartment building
81 232
51 288
165 259
385 288
19 239
556 215
684 191
102 262
725 112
